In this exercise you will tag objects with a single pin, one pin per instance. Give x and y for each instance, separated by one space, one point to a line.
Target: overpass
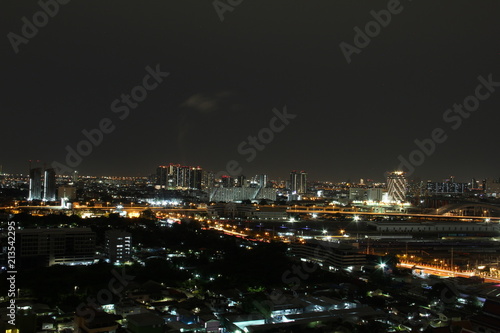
354 212
463 206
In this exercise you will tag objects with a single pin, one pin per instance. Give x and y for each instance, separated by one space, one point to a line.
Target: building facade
49 185
64 246
118 246
35 185
397 186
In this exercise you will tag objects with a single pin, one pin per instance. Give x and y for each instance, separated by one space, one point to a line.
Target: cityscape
349 254
237 166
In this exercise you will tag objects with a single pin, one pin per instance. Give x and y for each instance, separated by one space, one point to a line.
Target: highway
446 273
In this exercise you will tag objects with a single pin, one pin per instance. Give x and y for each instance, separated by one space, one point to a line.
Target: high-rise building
175 176
397 186
298 182
183 178
227 181
118 245
35 186
263 180
241 181
208 180
49 185
162 176
195 178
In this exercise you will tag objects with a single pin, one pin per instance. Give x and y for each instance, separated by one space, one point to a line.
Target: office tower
303 183
118 245
298 182
397 186
183 179
227 181
169 176
195 178
47 247
35 185
49 185
263 180
241 181
208 180
162 176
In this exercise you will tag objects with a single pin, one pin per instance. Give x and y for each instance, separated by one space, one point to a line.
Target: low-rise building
52 246
329 255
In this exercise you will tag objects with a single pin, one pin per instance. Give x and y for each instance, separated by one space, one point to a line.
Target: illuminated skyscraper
35 191
49 185
397 186
298 182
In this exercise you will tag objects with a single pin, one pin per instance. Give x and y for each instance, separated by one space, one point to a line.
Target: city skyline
284 176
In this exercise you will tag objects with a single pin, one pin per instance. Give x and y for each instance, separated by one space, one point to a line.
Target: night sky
352 120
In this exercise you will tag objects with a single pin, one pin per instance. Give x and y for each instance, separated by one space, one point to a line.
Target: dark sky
353 120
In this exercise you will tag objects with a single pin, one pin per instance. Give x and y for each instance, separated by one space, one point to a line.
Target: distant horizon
271 176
